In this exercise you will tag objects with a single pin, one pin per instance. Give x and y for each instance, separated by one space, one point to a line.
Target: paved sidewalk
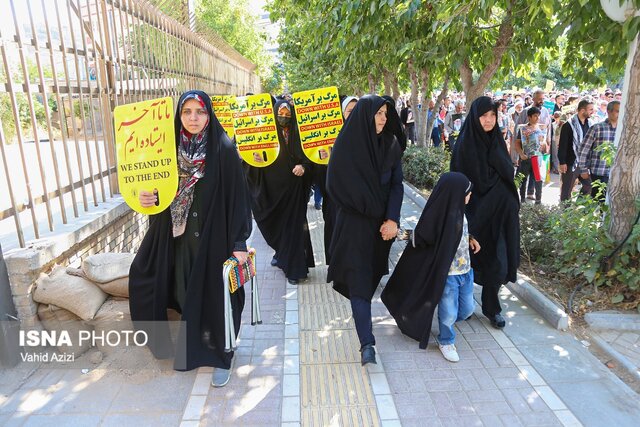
301 367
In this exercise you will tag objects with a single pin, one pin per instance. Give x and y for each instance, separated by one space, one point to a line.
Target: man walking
571 136
590 160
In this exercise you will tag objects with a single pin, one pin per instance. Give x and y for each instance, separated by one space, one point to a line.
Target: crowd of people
468 231
533 123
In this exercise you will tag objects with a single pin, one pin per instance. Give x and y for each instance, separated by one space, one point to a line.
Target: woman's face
488 121
194 117
349 108
381 118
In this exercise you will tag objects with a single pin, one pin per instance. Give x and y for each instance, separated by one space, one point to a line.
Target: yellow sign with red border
222 109
255 128
319 119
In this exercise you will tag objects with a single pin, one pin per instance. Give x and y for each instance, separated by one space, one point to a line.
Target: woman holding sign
364 180
279 195
179 264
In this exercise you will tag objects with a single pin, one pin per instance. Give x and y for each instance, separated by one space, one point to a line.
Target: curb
552 313
613 320
624 363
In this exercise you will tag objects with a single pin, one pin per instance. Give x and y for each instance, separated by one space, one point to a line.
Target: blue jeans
456 304
317 195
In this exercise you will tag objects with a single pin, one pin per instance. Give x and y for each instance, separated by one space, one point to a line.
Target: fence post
9 325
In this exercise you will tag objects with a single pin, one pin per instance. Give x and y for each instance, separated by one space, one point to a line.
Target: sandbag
117 288
107 267
113 316
58 319
76 294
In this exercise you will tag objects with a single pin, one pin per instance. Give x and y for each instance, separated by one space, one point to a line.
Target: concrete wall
118 230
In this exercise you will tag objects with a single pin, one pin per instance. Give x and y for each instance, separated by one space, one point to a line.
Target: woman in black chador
364 180
279 195
481 154
418 280
179 264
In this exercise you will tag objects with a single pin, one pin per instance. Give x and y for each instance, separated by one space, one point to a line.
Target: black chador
416 285
185 272
493 210
279 201
364 180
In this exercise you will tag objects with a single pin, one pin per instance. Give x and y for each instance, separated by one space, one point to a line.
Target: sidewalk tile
379 383
386 407
550 397
291 409
291 385
291 364
194 408
567 418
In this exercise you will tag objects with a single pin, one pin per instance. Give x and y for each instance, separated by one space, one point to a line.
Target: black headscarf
493 210
416 285
481 156
358 158
395 126
279 201
225 220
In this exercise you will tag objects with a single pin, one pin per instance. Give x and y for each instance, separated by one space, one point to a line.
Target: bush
585 249
423 167
536 239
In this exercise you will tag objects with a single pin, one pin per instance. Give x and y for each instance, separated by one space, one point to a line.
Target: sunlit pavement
301 367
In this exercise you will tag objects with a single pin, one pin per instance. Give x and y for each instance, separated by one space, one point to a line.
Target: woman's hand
147 199
241 257
298 170
389 230
474 245
523 156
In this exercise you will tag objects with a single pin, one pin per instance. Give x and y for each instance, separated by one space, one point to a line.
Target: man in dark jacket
571 135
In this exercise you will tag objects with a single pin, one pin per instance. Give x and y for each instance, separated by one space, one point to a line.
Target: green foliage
584 247
422 166
536 239
233 21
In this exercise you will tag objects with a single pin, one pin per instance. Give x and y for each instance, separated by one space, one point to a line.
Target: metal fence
65 65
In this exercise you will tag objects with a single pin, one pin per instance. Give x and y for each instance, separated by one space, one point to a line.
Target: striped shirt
589 157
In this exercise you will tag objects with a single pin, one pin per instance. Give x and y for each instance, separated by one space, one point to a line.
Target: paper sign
514 88
223 112
319 120
549 86
146 152
255 127
549 105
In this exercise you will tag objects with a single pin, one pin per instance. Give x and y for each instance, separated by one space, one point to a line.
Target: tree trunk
624 181
395 87
413 76
387 78
373 83
475 89
436 108
421 116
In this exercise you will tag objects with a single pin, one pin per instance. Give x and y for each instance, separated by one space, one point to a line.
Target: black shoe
274 262
497 321
292 281
538 202
368 355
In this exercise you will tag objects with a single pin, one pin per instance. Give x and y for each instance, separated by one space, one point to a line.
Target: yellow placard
514 88
222 109
255 127
549 86
319 120
146 152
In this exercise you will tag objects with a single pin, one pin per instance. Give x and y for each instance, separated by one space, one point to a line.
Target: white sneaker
449 352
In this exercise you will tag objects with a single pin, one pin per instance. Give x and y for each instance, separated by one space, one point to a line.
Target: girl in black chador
435 268
364 180
481 154
179 264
